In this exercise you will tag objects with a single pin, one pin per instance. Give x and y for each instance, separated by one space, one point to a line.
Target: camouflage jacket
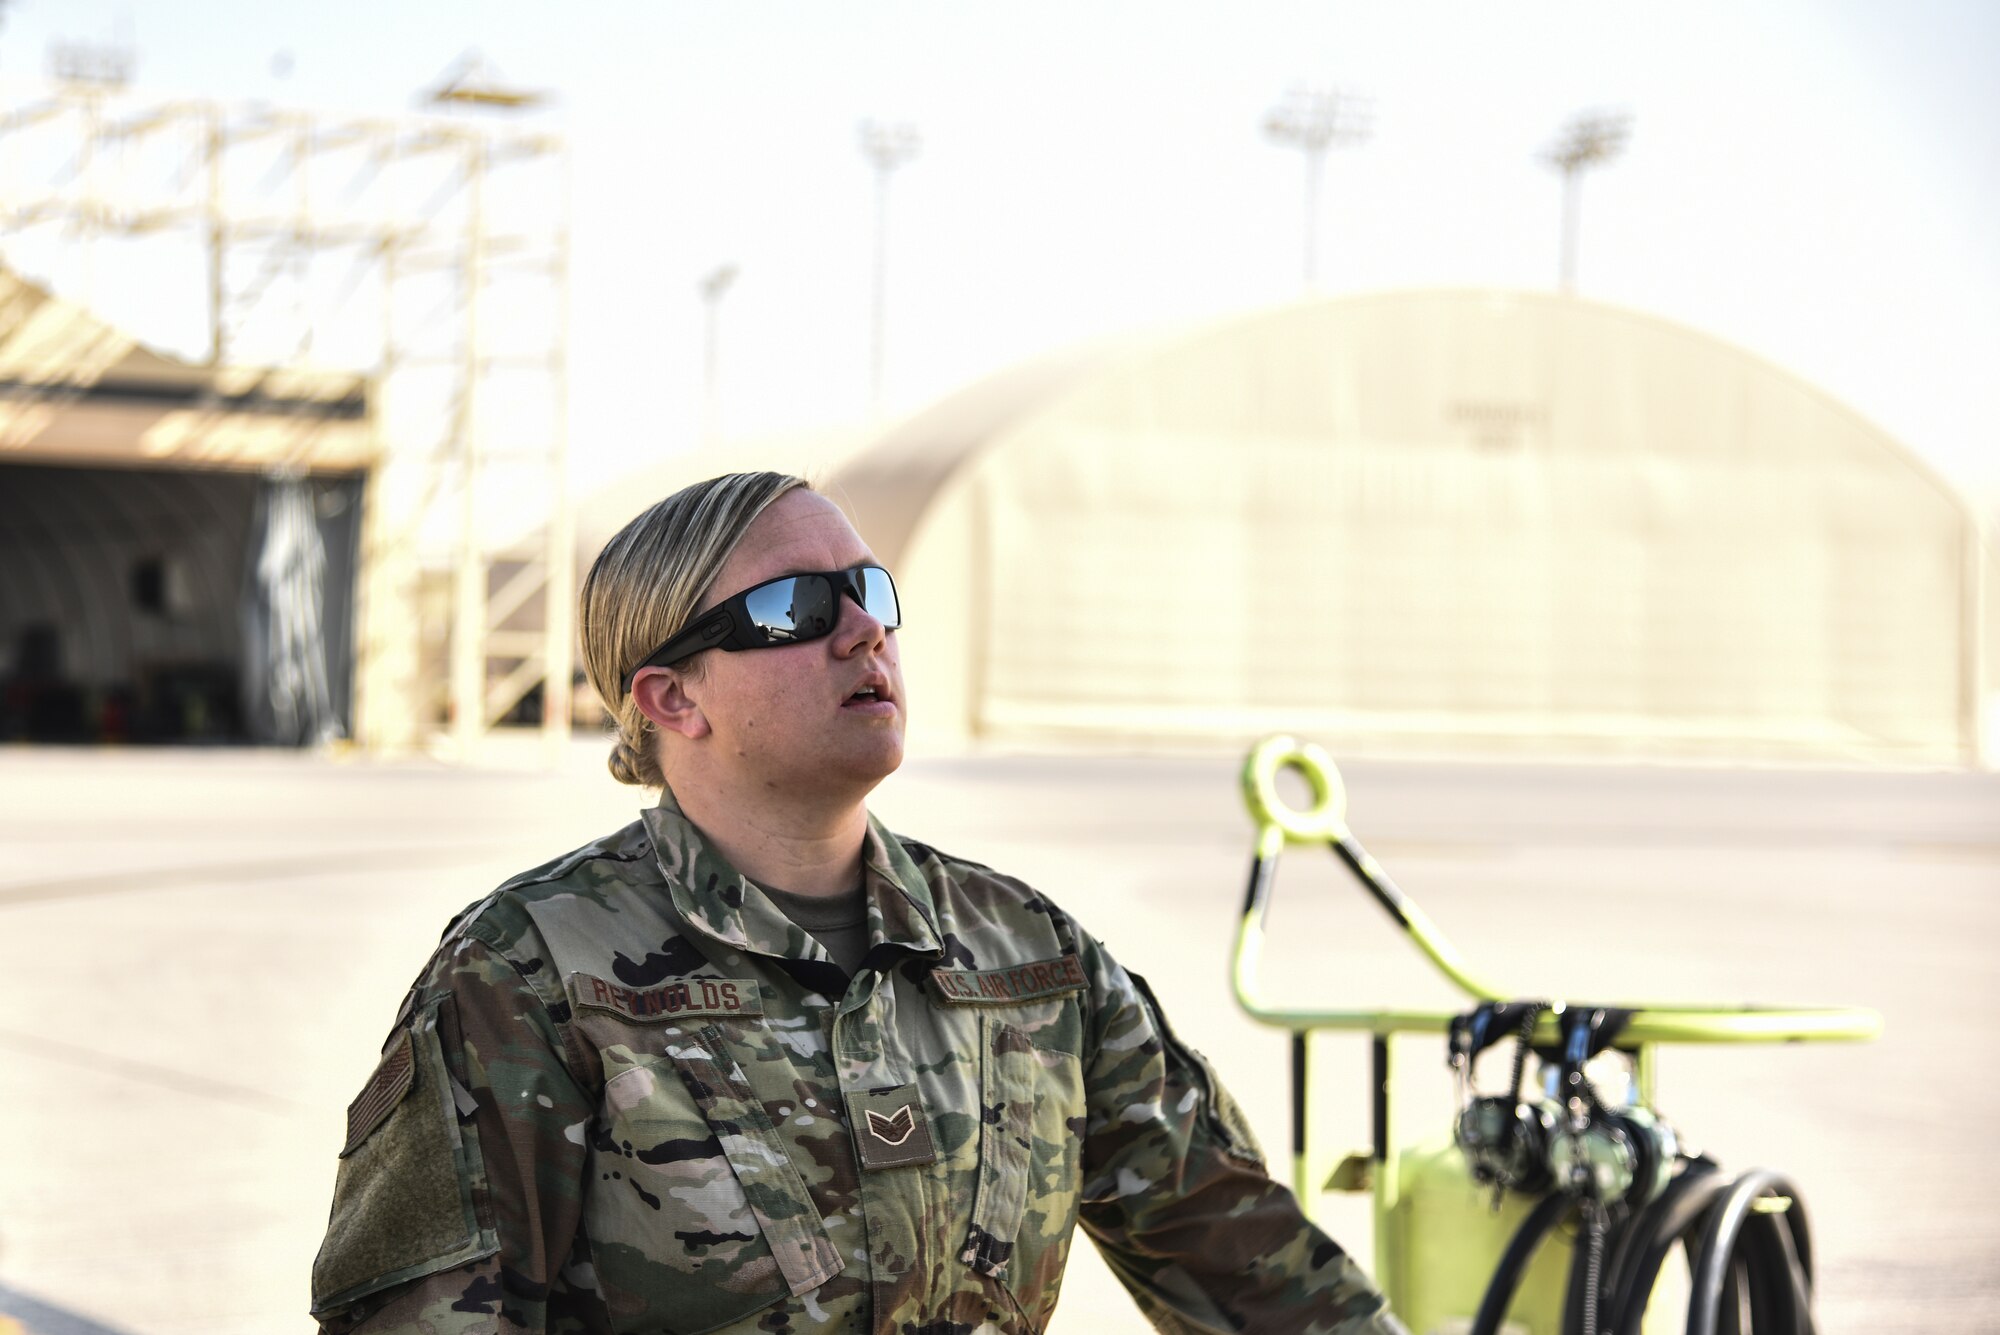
628 1094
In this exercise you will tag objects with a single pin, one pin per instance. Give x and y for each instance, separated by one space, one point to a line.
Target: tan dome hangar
1441 518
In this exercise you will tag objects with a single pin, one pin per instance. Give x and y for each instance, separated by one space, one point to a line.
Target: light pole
1313 120
1587 139
713 286
887 145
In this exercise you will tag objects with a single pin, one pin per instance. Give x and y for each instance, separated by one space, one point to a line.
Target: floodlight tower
887 145
713 287
1587 139
1314 120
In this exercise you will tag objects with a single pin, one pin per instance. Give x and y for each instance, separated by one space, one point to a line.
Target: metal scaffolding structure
429 250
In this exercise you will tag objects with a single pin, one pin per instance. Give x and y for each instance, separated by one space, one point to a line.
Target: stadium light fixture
1313 120
1588 139
713 286
887 145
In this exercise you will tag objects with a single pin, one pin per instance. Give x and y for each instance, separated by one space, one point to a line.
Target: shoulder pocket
1225 1117
402 1199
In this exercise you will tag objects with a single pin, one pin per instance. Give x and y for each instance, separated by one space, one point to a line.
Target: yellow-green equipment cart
1438 1236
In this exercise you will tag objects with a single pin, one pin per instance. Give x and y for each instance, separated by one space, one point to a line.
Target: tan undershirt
838 922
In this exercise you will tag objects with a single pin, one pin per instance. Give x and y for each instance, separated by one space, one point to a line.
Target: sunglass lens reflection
878 595
792 609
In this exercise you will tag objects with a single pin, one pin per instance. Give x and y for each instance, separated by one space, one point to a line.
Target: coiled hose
1750 1270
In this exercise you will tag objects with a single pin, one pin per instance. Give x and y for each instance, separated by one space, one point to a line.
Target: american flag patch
386 1088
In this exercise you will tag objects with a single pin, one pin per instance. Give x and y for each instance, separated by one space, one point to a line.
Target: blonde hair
644 587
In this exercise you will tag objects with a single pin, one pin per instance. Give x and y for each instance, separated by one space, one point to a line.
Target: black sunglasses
790 609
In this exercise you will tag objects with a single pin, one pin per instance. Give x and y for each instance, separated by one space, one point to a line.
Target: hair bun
623 763
642 588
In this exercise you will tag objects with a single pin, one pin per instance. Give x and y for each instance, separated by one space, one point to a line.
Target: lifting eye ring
1325 819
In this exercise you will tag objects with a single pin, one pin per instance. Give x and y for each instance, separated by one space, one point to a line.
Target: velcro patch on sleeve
385 1089
1010 986
685 998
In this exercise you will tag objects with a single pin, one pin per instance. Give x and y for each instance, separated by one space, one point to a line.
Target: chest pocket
1030 1138
698 1215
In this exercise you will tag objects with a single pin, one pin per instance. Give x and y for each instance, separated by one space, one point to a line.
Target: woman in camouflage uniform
756 1064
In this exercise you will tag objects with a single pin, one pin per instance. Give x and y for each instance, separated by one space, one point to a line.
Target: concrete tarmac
207 947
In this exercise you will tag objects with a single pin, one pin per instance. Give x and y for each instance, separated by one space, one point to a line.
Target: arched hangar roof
1387 350
1445 514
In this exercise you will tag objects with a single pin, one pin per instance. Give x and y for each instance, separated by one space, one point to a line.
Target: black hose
1716 1255
1749 1270
1661 1226
1773 1305
1514 1262
1729 1305
1801 1232
1645 1243
1795 1249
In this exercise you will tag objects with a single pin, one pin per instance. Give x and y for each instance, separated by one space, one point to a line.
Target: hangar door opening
176 605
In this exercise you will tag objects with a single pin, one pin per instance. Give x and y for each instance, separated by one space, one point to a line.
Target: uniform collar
719 901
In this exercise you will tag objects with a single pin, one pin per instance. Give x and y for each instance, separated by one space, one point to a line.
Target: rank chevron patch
891 1129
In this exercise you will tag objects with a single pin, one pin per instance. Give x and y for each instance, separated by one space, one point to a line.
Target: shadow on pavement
38 1318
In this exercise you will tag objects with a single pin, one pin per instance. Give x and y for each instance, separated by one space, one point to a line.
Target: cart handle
1324 821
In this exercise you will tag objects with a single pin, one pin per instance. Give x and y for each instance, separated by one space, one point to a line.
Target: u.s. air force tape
684 998
1009 986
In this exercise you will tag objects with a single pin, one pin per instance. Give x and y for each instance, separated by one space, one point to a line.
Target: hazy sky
1817 182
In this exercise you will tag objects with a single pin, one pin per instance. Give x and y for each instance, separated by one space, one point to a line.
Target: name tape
683 999
1005 987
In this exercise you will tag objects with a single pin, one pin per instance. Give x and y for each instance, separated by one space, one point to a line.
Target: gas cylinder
1438 1240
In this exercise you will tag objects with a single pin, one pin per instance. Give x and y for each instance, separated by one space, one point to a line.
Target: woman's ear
661 695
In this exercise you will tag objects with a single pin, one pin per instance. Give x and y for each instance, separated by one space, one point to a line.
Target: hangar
1455 518
181 546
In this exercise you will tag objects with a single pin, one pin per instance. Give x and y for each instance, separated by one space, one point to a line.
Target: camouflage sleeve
1176 1197
460 1186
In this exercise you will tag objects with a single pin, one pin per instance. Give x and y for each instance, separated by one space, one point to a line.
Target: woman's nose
857 629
